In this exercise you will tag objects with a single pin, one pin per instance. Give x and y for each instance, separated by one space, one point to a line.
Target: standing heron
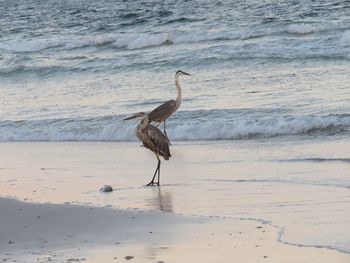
153 139
164 111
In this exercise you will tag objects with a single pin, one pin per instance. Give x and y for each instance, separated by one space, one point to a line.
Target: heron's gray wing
162 112
160 141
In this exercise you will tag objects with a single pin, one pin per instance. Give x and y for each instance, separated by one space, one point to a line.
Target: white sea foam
197 129
29 45
143 40
131 42
300 29
42 44
256 128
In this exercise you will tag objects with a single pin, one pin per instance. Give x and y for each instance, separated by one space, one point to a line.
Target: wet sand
219 202
72 233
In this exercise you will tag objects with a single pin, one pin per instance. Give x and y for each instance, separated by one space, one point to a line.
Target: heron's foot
152 184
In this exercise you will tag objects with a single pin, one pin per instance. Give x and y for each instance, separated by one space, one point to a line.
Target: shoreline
209 191
48 232
280 231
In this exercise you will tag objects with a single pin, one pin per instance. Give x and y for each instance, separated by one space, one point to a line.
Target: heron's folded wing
159 139
162 112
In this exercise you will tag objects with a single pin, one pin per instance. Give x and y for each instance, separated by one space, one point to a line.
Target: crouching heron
152 138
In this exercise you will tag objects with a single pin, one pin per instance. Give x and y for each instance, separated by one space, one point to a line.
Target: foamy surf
34 45
183 127
146 40
130 41
300 29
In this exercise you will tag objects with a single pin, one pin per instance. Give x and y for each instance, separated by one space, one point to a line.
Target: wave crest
130 42
145 40
300 29
199 125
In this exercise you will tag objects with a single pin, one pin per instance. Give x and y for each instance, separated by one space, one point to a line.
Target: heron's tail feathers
166 153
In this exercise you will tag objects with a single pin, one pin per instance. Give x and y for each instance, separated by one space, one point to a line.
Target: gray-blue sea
271 78
71 70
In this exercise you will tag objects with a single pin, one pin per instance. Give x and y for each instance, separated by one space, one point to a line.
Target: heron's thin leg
154 176
158 173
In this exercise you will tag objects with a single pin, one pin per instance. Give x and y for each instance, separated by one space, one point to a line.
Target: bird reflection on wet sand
162 200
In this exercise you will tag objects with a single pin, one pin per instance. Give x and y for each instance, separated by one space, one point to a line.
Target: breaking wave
42 44
130 42
300 29
144 40
187 125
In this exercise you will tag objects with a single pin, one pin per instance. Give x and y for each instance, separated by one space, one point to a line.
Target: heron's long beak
188 74
129 118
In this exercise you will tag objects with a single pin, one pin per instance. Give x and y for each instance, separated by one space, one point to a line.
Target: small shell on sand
106 189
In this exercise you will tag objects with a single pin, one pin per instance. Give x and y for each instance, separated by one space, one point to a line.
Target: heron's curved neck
178 98
144 123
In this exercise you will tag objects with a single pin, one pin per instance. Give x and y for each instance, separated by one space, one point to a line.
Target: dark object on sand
106 189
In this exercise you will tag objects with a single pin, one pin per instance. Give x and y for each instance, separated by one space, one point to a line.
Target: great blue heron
153 139
164 111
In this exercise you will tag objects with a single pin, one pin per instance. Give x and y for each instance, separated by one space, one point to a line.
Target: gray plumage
152 138
164 111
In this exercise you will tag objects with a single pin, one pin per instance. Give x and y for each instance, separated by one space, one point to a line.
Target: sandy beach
73 233
198 214
253 96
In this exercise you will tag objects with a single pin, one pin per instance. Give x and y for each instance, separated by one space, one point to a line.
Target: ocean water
71 70
263 73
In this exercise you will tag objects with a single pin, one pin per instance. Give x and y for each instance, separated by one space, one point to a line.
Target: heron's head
180 73
140 115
